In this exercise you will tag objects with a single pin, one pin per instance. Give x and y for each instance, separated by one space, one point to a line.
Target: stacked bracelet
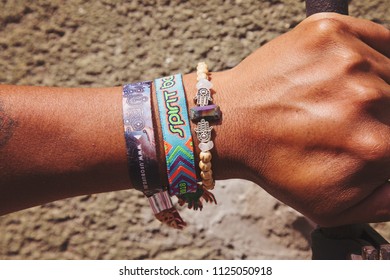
141 152
202 114
178 143
139 137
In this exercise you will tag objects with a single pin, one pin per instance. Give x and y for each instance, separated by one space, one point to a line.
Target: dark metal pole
318 6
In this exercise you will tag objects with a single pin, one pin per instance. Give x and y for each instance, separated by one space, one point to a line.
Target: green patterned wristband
178 144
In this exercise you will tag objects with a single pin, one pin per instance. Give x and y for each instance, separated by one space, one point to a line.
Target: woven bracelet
178 143
177 137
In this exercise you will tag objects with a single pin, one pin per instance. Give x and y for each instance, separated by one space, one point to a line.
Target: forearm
65 142
62 143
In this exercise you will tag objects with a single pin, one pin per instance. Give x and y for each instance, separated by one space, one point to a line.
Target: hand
310 119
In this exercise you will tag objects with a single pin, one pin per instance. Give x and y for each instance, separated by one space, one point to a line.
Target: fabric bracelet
139 136
178 144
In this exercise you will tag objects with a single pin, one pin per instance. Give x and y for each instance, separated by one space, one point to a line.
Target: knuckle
328 26
372 146
366 96
326 33
352 60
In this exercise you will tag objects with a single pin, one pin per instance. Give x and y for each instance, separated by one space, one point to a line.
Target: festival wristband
178 145
139 136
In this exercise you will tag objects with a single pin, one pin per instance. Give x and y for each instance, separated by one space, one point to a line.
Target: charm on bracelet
203 131
203 97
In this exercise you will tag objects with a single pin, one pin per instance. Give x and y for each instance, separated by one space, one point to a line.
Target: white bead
204 83
202 76
206 146
202 68
202 65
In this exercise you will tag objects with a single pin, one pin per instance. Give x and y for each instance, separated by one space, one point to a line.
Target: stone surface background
79 43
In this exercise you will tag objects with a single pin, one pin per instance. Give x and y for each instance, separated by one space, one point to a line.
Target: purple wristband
139 135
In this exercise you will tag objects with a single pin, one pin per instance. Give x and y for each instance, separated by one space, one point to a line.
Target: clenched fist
307 117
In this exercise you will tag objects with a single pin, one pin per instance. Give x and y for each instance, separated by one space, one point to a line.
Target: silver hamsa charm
203 131
203 97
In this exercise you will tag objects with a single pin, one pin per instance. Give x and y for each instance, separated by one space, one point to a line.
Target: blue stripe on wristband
178 144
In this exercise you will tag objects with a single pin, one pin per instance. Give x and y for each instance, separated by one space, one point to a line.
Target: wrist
228 160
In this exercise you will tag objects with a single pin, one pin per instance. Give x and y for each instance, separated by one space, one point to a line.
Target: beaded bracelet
202 114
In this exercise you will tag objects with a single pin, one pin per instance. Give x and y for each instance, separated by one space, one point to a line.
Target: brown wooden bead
206 175
205 156
208 184
204 166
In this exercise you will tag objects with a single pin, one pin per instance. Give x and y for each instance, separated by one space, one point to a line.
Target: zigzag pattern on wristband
178 145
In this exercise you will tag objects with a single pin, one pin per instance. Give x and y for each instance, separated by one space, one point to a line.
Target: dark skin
306 118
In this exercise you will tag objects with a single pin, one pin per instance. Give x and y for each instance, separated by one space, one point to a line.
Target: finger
382 68
378 109
367 59
373 34
373 209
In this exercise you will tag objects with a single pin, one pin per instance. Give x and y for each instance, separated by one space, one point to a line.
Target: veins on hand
7 126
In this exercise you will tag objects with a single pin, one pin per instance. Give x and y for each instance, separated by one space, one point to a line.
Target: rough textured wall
79 43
